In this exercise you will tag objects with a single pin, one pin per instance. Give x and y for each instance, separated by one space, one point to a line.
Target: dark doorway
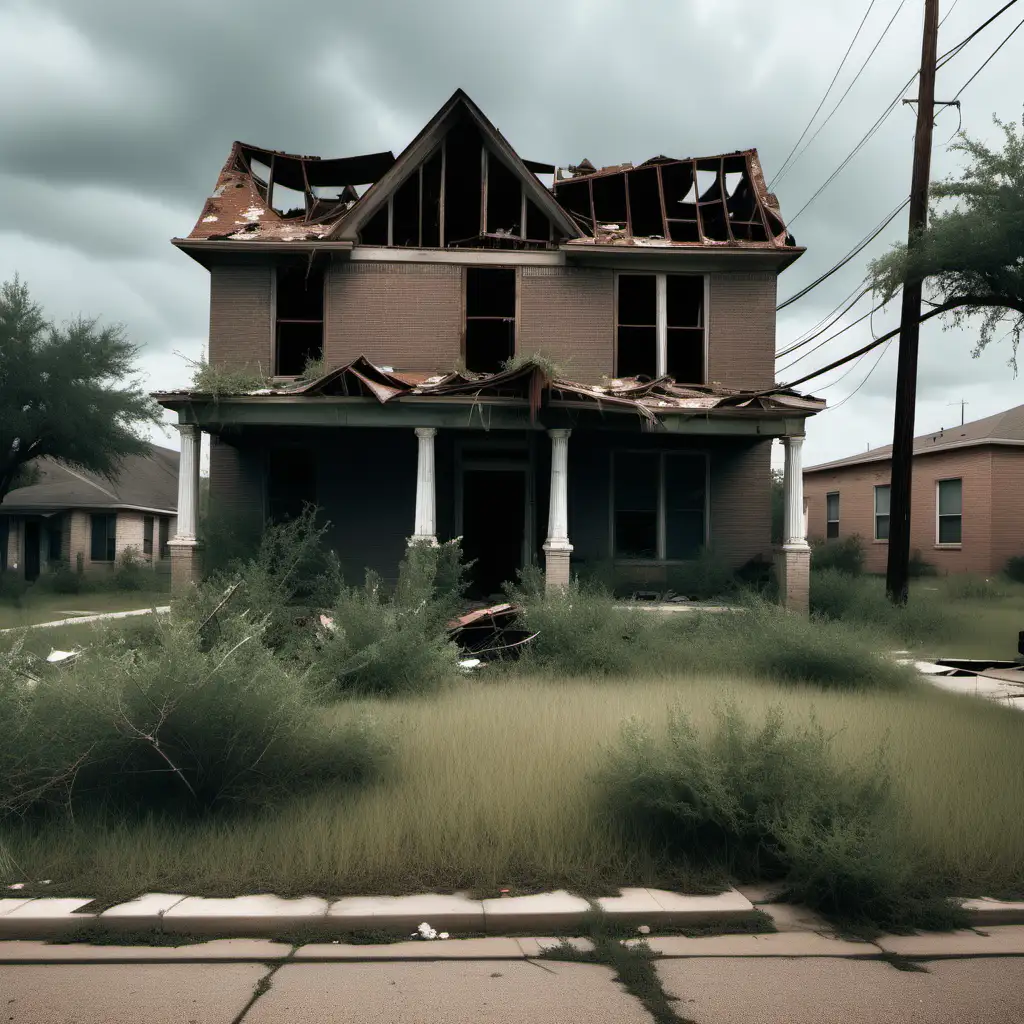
493 526
31 549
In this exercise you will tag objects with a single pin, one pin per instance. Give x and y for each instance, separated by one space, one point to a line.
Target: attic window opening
504 198
299 327
463 184
660 326
645 204
490 318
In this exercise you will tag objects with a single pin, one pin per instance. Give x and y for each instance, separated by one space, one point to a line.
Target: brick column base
793 571
186 563
556 570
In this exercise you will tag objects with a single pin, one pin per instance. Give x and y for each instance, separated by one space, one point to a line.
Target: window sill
947 547
877 541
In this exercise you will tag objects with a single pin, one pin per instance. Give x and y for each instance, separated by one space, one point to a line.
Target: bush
1015 568
174 725
967 587
60 578
707 575
918 568
846 555
774 803
131 572
374 643
12 588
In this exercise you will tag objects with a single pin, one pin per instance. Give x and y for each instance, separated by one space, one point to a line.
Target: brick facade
741 330
993 515
241 317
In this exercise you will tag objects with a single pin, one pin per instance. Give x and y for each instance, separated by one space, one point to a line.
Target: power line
988 58
946 57
861 245
832 113
832 319
817 110
831 337
881 356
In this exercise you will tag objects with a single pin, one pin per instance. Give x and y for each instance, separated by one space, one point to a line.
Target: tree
66 392
971 256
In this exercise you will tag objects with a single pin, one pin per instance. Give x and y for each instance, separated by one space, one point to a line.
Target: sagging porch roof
530 383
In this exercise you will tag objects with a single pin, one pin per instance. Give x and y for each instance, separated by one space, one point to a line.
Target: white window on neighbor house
949 525
832 515
659 505
882 512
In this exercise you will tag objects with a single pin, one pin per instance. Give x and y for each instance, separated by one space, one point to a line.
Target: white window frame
660 558
661 317
938 517
875 513
828 522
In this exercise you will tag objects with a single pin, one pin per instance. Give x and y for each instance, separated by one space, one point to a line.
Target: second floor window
832 515
104 537
147 535
882 512
490 318
949 529
660 326
299 329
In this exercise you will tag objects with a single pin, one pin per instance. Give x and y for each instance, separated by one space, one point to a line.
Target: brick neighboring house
88 521
967 497
412 282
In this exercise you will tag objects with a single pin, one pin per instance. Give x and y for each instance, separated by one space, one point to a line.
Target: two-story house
399 305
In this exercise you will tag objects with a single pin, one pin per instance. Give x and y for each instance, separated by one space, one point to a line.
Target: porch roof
356 394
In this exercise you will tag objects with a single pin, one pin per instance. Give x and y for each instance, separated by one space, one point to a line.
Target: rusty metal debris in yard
490 634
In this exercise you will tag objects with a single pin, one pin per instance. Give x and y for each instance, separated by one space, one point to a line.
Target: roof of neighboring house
718 201
148 483
1005 427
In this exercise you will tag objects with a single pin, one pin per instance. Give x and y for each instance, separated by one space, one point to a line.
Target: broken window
299 318
660 326
660 502
490 318
291 483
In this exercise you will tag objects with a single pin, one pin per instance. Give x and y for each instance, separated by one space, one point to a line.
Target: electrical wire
988 58
819 329
860 71
946 57
860 246
817 110
874 366
831 337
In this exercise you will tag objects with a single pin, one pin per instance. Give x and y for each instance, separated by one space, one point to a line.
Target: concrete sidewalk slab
116 994
416 949
44 916
537 947
1000 940
780 944
455 913
29 951
548 911
456 993
246 915
987 911
145 912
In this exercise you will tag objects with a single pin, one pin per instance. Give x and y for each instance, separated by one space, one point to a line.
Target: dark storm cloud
118 116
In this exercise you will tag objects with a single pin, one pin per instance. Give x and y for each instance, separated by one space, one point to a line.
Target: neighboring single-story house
88 521
967 500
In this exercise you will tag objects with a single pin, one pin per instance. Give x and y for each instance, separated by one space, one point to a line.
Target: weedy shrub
707 575
1015 568
218 381
773 802
967 587
12 589
846 555
919 568
374 642
131 572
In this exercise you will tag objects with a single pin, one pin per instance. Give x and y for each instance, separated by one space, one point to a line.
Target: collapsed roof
460 184
533 382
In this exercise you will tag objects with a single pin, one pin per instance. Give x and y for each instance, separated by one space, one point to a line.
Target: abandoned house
571 367
70 517
966 499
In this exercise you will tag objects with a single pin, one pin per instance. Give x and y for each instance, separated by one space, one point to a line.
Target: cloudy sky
116 117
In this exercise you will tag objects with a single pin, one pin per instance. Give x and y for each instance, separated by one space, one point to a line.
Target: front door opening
493 527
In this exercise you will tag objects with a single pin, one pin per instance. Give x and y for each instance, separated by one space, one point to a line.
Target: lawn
492 786
45 606
983 627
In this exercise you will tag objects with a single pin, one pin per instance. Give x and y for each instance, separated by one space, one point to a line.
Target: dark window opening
645 204
147 535
610 199
538 227
5 537
575 198
291 483
375 230
300 317
685 499
103 546
637 489
684 342
165 536
490 318
405 217
431 217
637 332
832 515
462 185
53 540
504 198
493 527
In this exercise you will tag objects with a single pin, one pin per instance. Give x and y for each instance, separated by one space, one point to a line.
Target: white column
558 507
794 534
188 482
426 516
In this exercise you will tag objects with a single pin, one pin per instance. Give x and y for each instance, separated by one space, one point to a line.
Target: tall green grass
495 783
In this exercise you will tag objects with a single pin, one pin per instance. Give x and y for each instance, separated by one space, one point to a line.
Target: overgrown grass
44 606
496 784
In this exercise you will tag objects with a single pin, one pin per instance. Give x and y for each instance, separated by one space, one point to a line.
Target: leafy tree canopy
68 392
971 255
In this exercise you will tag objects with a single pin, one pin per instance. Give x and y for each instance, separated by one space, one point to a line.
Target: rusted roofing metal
697 202
531 383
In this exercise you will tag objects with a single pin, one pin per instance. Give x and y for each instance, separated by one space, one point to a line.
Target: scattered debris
59 657
489 634
424 931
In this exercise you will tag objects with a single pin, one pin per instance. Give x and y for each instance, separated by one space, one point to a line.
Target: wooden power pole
897 572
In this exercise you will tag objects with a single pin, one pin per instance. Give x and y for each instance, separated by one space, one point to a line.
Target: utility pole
898 569
961 403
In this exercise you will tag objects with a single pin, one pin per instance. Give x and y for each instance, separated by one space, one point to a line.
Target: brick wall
568 314
405 315
855 485
241 327
741 330
236 484
1007 505
741 510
